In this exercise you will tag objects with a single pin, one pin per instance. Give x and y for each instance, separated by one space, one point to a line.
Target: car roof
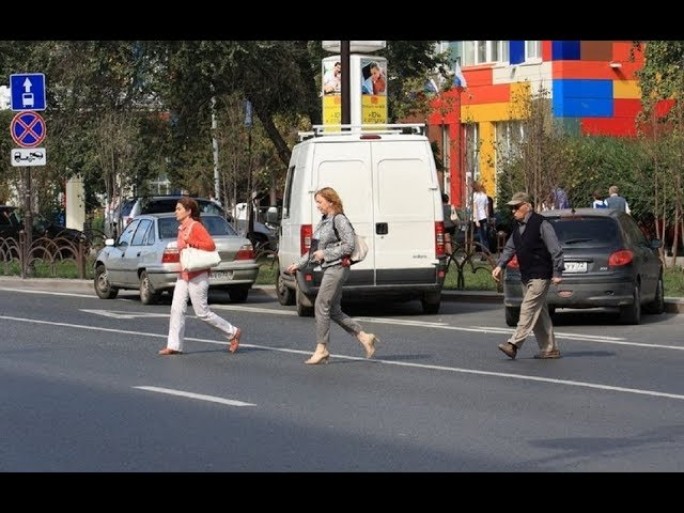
581 212
173 214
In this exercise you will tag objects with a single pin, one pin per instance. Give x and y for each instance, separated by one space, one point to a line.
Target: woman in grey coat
332 246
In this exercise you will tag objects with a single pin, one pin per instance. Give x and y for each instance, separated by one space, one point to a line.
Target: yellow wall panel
487 149
626 89
490 112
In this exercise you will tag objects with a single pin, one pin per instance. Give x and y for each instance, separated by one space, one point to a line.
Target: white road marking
121 314
582 384
191 395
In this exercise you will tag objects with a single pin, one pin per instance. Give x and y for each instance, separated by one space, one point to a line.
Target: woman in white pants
195 284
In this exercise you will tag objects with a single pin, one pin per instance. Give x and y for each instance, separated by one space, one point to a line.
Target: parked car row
262 235
49 240
609 263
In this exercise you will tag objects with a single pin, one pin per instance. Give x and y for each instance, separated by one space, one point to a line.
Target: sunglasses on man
516 207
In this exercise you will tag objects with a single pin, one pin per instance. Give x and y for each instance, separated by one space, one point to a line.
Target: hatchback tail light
621 258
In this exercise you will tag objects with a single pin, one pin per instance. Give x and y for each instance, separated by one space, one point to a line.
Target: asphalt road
84 390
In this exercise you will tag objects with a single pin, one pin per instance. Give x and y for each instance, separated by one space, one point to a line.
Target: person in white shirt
481 215
598 201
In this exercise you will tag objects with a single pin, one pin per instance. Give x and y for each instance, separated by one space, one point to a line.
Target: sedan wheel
103 288
147 294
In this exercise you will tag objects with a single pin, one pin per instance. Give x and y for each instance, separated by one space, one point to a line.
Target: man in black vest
540 257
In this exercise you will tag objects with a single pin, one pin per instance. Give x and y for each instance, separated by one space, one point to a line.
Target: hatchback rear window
586 231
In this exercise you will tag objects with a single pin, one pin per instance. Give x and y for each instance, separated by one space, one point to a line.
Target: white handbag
360 249
194 259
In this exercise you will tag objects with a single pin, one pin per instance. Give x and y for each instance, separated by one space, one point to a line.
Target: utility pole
346 82
215 148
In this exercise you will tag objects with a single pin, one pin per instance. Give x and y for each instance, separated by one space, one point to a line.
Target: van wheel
512 316
431 303
285 294
304 304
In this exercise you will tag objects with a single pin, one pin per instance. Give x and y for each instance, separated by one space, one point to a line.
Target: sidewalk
672 304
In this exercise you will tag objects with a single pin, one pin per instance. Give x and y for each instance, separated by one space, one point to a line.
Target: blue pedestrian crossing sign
27 91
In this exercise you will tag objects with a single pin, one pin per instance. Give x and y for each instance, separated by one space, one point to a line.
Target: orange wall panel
622 50
487 94
476 77
593 70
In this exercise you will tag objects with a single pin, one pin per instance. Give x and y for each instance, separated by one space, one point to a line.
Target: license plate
221 275
575 267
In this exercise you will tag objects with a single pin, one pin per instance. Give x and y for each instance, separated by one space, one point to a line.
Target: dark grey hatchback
609 263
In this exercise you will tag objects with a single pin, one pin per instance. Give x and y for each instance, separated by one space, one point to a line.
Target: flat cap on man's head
518 198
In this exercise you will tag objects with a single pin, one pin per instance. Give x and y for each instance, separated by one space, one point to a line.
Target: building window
533 51
484 52
472 155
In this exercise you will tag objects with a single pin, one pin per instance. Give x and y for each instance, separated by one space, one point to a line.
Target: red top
198 237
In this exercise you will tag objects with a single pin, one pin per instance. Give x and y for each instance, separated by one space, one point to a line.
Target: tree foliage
121 113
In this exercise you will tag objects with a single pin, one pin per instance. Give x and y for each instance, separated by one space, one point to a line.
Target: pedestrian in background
330 247
481 216
598 201
540 258
614 200
560 197
195 284
449 225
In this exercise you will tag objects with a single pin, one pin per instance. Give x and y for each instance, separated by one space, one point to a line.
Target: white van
387 180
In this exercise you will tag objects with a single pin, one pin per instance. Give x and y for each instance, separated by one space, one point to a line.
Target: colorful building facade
591 86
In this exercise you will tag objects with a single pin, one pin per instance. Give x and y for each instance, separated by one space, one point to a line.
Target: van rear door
407 204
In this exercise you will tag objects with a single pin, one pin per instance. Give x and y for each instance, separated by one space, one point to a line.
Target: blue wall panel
583 88
565 51
582 107
516 52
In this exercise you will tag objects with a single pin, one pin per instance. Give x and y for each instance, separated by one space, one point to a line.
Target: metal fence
49 257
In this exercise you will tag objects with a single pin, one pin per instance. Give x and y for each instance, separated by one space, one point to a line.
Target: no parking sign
28 129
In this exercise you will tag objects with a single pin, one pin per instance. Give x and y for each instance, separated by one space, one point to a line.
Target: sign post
27 95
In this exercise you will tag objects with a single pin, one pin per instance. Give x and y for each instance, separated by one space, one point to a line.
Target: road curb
672 304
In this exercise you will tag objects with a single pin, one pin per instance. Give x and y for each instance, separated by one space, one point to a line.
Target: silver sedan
145 258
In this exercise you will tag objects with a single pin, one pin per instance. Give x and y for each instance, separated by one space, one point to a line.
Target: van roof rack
397 128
